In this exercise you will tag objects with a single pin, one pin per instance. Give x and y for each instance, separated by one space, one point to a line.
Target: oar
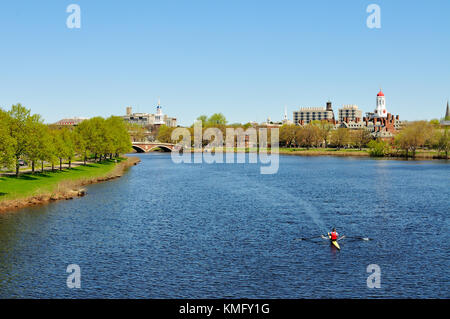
361 238
309 238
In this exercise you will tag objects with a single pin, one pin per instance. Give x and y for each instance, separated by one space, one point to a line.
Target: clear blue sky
247 59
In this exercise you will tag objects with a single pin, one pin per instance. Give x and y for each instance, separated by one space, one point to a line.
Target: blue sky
247 59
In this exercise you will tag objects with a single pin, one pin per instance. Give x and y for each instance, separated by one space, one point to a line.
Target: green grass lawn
284 149
28 185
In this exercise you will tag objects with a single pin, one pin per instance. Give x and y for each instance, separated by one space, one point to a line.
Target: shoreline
419 156
67 189
345 153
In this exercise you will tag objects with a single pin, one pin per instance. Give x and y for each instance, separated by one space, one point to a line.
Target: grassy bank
420 154
324 151
29 189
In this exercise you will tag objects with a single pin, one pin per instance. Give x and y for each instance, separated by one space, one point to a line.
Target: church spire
447 113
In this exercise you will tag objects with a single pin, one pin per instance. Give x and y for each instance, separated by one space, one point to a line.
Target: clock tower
380 110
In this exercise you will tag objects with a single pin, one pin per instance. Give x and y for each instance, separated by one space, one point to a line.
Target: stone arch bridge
145 147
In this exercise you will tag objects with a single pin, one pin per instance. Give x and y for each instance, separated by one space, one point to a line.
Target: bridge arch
163 147
138 149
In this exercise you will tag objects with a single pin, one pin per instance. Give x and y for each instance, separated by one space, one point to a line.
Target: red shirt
334 235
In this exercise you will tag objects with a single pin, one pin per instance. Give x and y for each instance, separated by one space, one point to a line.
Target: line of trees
322 134
24 136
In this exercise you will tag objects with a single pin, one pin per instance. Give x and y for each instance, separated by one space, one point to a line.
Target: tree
434 122
311 135
360 138
92 131
20 123
165 134
120 139
47 151
217 118
287 135
59 147
203 119
37 146
136 132
378 148
68 139
441 140
340 137
7 143
81 144
325 129
413 136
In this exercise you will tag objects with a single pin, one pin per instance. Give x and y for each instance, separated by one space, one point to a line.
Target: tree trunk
70 163
60 164
32 167
53 167
42 167
17 169
85 158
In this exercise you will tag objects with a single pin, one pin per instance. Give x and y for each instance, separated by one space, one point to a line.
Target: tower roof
447 113
380 93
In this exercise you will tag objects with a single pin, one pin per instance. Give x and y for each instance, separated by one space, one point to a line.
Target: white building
147 119
380 110
159 116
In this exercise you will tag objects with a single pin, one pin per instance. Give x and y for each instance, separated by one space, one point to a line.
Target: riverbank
41 188
420 154
351 152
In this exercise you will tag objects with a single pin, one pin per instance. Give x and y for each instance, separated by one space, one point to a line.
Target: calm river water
168 230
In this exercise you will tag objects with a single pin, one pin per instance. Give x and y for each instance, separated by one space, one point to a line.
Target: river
167 230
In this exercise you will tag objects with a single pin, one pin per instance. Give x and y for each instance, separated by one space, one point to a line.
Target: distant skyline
246 59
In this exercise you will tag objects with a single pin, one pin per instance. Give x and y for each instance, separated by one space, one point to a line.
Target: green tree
119 137
93 133
340 137
59 146
137 132
360 138
217 118
7 143
20 124
68 139
311 135
413 136
378 148
203 119
164 134
325 129
81 143
441 140
434 122
37 140
287 135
